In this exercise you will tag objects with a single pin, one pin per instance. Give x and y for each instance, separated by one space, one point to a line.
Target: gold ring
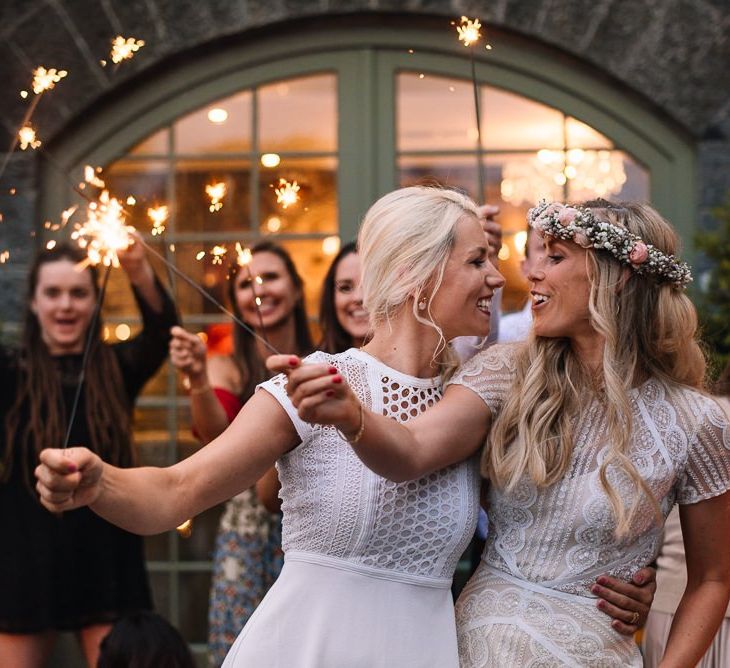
634 619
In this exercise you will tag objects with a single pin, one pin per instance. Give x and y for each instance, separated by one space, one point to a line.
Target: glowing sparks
199 255
104 232
287 193
66 215
131 201
469 31
24 94
44 79
216 192
4 256
243 255
124 49
90 176
27 138
158 215
218 253
51 245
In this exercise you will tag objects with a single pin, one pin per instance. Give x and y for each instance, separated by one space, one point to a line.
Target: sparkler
216 192
158 215
469 32
124 49
27 138
244 257
287 193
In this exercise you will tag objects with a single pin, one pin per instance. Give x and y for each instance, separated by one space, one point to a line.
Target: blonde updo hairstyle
404 245
650 330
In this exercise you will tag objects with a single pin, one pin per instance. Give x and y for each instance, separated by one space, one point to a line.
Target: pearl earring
422 304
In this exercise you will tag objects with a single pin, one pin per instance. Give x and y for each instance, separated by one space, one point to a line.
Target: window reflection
298 114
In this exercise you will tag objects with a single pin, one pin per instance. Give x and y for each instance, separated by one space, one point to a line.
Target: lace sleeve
707 471
276 387
489 374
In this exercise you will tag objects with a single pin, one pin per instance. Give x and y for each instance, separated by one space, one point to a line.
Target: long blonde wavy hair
650 331
404 244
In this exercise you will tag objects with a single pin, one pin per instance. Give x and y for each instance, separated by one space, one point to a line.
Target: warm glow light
243 255
27 138
217 115
90 176
218 253
504 252
104 232
158 215
51 245
270 159
469 31
122 332
216 192
131 200
124 49
273 224
287 193
4 256
44 79
521 242
199 255
330 245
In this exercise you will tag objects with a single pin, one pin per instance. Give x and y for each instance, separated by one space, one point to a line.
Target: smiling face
63 302
462 304
349 310
560 291
275 289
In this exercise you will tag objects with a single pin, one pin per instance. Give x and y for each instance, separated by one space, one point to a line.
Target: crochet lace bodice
335 506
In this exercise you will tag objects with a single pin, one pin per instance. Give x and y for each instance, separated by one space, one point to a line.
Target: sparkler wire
91 338
209 297
480 153
14 141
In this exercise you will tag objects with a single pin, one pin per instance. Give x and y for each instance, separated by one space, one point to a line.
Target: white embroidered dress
529 603
368 562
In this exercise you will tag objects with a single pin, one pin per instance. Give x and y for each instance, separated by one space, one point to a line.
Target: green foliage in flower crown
714 302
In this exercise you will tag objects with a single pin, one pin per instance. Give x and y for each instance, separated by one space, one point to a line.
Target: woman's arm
445 434
705 527
149 500
189 355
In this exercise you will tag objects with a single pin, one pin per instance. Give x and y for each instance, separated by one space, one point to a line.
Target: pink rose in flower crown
639 253
567 216
582 240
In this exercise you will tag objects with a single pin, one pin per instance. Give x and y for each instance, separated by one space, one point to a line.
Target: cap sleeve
489 374
707 471
276 387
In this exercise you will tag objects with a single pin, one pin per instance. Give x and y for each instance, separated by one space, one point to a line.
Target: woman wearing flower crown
595 427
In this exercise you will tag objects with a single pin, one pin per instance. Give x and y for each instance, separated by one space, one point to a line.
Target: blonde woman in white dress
599 425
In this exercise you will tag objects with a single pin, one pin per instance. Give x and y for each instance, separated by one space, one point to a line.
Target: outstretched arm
149 500
447 433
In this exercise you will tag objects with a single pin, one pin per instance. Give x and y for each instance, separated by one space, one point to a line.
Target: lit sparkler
124 49
27 138
90 176
216 192
244 257
287 193
44 79
158 215
218 253
104 232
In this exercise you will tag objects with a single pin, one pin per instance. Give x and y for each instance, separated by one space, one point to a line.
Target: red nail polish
332 370
330 393
293 361
602 581
71 467
336 379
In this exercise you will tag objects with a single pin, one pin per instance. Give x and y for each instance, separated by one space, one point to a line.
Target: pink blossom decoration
639 253
567 216
582 240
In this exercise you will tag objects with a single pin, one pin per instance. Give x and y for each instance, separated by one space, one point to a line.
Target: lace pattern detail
333 505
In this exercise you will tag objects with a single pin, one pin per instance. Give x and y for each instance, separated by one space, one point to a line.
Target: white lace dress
368 562
529 602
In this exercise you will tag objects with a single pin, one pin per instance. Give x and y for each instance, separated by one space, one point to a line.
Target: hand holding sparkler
188 355
492 229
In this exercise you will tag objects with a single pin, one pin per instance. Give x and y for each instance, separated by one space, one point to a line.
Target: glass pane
145 181
223 126
525 178
193 609
580 135
434 113
298 114
638 181
451 171
157 143
315 209
212 195
511 122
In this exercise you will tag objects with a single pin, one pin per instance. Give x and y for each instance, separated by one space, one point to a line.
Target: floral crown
580 225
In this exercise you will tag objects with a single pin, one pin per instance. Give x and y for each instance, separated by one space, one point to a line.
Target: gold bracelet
199 390
361 428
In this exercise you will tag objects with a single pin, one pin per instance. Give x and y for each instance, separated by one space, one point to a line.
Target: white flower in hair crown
580 225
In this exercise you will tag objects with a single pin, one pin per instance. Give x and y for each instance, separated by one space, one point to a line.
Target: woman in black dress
73 571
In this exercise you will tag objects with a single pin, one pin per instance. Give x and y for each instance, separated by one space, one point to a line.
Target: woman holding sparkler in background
71 571
248 555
